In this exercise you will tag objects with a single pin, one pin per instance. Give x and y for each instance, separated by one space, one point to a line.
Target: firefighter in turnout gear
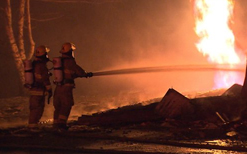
63 94
40 85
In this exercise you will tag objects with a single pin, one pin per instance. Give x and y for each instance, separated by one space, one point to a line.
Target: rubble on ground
211 116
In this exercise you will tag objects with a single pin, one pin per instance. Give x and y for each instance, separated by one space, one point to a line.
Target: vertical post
244 88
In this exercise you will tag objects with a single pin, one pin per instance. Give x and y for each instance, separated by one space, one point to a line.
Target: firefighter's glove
89 74
26 85
49 93
49 73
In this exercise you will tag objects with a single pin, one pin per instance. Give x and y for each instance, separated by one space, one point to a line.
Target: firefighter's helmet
67 47
41 51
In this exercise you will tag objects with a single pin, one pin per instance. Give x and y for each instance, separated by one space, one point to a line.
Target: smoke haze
126 34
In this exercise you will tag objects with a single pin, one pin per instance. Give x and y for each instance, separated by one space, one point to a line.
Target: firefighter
40 86
63 94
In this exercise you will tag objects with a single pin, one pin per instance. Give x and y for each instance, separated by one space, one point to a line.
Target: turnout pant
63 102
36 107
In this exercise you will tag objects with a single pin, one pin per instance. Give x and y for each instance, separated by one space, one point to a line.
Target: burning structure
213 22
226 108
213 25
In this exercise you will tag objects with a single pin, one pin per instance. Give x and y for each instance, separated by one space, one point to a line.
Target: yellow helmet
41 50
67 47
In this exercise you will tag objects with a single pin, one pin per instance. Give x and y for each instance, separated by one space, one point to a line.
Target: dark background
120 34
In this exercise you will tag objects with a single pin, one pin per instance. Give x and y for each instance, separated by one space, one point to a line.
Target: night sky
122 34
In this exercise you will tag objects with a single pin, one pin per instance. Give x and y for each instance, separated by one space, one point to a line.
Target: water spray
234 68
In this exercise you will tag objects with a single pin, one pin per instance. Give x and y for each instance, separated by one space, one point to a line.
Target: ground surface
143 138
166 136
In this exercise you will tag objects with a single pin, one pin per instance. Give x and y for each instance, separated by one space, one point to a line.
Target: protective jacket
41 77
71 70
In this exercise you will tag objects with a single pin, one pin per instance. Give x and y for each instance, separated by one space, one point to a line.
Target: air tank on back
28 67
58 72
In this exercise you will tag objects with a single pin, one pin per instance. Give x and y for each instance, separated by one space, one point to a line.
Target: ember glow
213 20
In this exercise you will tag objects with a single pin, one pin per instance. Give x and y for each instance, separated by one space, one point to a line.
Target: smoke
129 34
239 25
124 34
142 34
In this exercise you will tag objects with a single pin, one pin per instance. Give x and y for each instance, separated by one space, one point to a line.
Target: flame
213 19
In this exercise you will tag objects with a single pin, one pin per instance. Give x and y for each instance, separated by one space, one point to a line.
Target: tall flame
213 19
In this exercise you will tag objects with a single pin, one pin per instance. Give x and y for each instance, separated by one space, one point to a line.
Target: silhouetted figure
64 80
39 85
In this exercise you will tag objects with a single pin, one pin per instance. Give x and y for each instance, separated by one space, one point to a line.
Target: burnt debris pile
225 110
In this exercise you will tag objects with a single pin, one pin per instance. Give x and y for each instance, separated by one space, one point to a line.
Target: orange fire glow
213 19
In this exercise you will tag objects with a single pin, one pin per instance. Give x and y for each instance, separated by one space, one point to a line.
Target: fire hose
228 68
